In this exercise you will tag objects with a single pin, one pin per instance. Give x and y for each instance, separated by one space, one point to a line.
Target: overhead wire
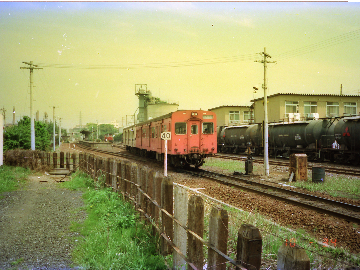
352 35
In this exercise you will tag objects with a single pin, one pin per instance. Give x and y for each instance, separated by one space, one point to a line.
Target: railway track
328 169
330 207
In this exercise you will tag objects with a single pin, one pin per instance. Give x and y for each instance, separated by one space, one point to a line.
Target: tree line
18 136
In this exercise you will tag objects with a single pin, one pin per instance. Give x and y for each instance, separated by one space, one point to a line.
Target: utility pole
31 67
266 130
54 128
13 122
3 113
59 131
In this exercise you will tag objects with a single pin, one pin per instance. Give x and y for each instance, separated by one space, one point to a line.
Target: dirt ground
34 225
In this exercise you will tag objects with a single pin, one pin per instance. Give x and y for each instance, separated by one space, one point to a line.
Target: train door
193 136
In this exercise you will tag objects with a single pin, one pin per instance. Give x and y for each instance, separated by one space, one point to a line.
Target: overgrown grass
113 237
230 165
337 186
12 178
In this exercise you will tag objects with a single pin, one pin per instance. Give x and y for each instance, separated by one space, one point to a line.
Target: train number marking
166 135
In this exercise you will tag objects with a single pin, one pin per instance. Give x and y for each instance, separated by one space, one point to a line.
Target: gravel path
34 225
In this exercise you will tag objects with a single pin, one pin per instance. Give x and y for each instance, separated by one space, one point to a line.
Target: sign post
165 136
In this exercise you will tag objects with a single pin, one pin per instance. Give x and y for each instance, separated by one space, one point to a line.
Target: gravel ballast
34 225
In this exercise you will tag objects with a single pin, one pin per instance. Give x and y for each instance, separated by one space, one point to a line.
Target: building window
291 107
332 109
234 116
248 115
350 108
310 107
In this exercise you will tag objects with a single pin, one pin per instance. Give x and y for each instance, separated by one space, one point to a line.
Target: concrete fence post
150 191
292 258
42 157
67 160
118 177
143 186
94 174
92 165
81 161
218 238
135 177
180 236
249 247
73 157
107 171
62 160
99 168
84 163
48 159
127 185
196 224
54 160
157 197
167 222
123 176
113 174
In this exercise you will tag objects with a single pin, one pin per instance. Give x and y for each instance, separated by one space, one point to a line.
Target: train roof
163 117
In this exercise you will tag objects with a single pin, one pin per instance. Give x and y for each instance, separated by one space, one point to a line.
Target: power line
320 45
352 35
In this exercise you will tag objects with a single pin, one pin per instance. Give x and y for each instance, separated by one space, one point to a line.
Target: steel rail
234 181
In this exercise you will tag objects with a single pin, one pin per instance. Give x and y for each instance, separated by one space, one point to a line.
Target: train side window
153 132
180 128
194 129
164 128
207 128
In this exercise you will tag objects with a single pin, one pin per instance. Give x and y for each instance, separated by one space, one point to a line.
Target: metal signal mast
31 67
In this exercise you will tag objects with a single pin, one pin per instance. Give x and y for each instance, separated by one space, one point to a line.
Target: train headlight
194 113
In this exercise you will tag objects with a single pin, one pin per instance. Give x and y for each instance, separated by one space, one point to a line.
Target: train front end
194 137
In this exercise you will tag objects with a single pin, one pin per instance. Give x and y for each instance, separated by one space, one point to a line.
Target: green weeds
337 186
230 165
113 237
12 178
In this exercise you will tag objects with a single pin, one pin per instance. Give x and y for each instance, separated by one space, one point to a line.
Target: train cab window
194 129
180 128
208 128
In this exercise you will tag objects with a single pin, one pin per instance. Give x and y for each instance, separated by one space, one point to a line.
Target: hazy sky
200 54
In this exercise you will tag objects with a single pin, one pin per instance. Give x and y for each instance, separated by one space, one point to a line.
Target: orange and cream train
193 137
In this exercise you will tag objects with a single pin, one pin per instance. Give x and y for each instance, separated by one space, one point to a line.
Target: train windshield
207 128
180 128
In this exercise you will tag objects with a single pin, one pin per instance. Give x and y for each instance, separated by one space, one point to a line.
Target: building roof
228 106
295 94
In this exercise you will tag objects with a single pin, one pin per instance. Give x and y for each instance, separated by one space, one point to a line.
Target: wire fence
198 230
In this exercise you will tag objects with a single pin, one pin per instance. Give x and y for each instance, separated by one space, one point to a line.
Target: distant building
233 115
151 107
293 107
